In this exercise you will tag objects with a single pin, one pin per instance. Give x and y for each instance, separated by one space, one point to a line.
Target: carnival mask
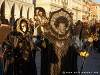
61 28
23 26
60 22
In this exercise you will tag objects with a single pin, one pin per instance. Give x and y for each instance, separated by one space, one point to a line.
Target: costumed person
4 31
41 23
17 50
95 36
98 35
1 55
77 34
38 35
62 54
85 33
38 29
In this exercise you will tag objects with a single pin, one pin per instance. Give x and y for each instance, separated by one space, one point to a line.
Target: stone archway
16 11
30 12
12 18
2 9
1 1
5 12
23 12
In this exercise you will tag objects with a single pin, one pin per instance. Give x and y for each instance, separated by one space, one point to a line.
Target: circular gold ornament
57 17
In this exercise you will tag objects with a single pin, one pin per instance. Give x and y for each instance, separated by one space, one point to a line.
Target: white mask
23 25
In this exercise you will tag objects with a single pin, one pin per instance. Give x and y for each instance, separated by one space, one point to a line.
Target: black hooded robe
18 56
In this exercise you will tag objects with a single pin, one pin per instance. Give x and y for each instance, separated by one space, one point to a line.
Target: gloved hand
43 44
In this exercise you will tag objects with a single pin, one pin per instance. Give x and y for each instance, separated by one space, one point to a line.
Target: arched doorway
30 13
23 12
12 18
16 11
5 12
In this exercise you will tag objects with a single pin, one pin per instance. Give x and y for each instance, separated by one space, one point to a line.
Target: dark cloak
18 56
59 60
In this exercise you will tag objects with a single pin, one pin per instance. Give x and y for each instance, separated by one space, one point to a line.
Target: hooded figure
18 49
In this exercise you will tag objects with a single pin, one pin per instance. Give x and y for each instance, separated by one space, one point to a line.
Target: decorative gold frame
53 18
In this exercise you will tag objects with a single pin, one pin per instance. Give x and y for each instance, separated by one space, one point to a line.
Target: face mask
23 26
62 28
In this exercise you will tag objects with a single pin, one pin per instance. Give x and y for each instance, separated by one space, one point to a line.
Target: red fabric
4 31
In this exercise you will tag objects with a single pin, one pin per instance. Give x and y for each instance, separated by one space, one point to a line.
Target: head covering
18 24
57 17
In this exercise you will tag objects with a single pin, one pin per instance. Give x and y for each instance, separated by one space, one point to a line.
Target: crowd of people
85 30
59 50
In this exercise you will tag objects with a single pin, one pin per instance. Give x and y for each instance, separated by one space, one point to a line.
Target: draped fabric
4 31
18 55
61 57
